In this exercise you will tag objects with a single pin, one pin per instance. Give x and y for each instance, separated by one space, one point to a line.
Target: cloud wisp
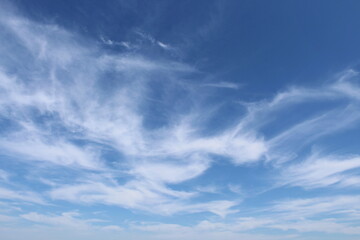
86 126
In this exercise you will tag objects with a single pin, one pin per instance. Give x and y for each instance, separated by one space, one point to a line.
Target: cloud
239 147
66 112
289 139
73 221
322 171
164 46
325 226
235 188
171 172
58 152
141 40
123 44
229 85
4 176
210 230
136 130
141 195
70 117
22 196
69 221
66 219
6 219
312 129
208 189
297 209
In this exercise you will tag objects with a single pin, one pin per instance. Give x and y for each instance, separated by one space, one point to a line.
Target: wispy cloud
229 85
132 129
322 171
325 226
69 106
297 209
21 196
66 219
4 176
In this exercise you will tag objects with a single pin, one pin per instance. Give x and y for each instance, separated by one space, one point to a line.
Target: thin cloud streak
69 103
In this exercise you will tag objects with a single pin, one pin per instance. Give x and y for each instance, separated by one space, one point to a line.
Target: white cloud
141 195
295 138
205 229
124 44
347 87
297 209
6 219
70 221
4 176
59 152
322 171
172 172
324 226
70 102
229 85
164 46
235 188
208 189
25 196
65 104
341 113
67 219
112 228
43 233
237 225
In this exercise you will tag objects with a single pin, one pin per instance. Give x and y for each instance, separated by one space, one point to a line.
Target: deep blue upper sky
249 41
179 119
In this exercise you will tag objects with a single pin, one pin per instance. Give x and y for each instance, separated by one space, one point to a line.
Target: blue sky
176 120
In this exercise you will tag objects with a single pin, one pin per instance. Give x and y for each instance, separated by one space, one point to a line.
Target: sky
167 119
